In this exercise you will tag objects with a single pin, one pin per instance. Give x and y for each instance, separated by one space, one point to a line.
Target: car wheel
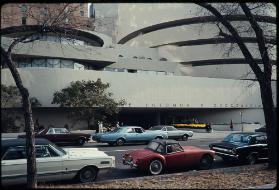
185 137
252 159
80 142
155 167
206 162
120 141
87 174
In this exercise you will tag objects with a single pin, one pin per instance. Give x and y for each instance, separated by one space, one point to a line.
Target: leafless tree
262 32
47 18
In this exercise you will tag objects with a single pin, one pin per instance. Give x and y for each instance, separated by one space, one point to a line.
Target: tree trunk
29 125
270 121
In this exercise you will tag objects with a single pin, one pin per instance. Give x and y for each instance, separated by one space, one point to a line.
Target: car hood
227 145
84 152
138 154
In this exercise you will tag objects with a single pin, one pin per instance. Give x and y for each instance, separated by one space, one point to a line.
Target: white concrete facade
158 82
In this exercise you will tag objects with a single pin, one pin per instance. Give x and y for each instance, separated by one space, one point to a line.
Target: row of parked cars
84 164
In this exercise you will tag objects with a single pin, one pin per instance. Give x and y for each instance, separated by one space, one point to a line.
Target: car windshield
60 150
237 138
40 131
156 128
152 146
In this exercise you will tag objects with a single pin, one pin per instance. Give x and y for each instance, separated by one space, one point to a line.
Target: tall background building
162 58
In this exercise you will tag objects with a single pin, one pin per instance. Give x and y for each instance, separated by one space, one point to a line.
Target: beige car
53 163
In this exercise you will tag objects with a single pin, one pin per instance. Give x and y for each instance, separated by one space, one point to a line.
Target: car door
49 163
176 157
13 166
130 135
63 135
261 142
172 133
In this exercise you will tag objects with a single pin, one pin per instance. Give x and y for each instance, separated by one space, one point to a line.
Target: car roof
22 142
165 141
127 126
250 133
163 126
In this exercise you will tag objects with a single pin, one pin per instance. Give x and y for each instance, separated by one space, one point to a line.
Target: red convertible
168 154
61 135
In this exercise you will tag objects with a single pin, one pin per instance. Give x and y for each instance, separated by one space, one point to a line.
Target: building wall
134 17
143 90
12 13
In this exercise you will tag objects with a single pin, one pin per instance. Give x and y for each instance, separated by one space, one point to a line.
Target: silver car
173 133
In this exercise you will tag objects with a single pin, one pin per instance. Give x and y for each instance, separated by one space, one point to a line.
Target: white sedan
53 163
173 133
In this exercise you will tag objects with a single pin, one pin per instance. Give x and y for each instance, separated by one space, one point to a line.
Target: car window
170 128
42 152
58 131
169 149
130 130
160 149
152 145
14 153
138 130
52 152
237 138
64 131
50 131
177 148
261 140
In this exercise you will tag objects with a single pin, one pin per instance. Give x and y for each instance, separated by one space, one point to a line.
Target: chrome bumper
224 154
130 163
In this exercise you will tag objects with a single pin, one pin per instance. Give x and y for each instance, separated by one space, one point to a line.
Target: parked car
61 135
129 134
261 129
248 147
165 154
173 133
53 163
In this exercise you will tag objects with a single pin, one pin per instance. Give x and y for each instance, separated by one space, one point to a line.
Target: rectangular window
81 13
39 63
23 20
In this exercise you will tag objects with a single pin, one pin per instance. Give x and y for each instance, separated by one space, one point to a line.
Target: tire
206 162
184 137
87 174
120 142
252 159
80 142
155 167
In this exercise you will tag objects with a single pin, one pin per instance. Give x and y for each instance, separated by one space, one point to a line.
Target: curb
188 173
